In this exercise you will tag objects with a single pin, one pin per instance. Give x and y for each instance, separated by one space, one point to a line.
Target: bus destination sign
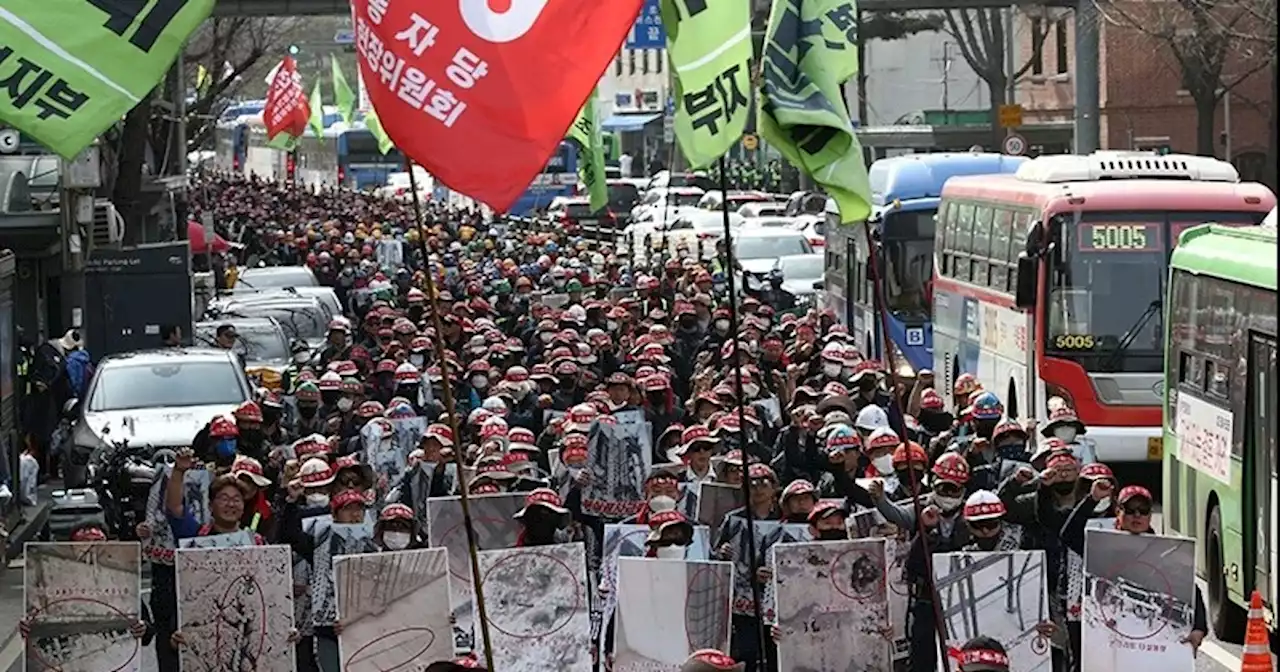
1120 237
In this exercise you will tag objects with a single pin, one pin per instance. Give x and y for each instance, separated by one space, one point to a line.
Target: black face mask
866 384
832 535
270 415
416 313
540 524
308 411
409 392
657 398
330 397
251 436
385 380
987 543
935 422
985 428
1063 488
688 322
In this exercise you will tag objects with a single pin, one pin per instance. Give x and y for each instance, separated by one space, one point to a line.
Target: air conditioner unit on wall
108 226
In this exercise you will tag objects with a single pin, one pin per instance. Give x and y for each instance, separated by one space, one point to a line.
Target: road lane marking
1220 655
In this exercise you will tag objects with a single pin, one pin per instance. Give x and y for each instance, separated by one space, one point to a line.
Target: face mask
612 325
409 392
1067 434
672 552
985 428
832 370
317 500
545 337
1103 506
751 389
301 358
345 404
479 382
722 326
935 422
418 360
308 411
948 504
865 384
832 535
883 464
225 449
396 541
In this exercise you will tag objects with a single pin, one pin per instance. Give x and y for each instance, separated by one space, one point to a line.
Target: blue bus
905 191
558 178
231 145
346 157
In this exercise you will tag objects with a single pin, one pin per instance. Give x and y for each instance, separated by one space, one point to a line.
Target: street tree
1217 44
980 34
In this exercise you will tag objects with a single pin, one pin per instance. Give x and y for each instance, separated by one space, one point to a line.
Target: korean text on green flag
710 47
78 67
809 53
586 132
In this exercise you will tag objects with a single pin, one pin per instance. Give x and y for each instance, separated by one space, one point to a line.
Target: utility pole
946 82
81 178
1087 125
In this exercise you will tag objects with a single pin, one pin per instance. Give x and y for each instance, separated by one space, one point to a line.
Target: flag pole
753 561
451 411
882 315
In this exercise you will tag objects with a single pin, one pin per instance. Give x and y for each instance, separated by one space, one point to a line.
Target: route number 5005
1073 342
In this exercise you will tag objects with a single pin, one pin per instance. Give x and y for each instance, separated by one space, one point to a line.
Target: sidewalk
32 520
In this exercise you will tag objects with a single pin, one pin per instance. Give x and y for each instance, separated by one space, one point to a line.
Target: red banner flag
480 92
287 109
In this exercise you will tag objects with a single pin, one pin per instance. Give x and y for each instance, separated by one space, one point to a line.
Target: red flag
287 109
480 92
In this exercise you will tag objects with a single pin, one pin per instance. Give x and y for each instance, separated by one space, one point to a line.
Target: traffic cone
1257 653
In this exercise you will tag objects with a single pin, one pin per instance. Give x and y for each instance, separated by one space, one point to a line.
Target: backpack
80 369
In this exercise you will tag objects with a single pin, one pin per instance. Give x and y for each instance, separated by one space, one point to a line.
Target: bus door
1262 444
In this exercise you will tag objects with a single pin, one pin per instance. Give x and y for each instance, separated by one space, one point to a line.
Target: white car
762 209
662 198
712 199
400 188
814 228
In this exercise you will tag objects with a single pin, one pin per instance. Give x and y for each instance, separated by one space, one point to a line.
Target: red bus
1049 281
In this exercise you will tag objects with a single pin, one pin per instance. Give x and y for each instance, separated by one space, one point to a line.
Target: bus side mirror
1028 277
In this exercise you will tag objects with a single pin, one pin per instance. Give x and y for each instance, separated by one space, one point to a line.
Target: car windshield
806 267
256 343
167 385
299 277
299 321
1106 291
623 195
770 247
908 262
578 209
684 199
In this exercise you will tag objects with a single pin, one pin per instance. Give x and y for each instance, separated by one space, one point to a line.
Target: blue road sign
648 33
344 36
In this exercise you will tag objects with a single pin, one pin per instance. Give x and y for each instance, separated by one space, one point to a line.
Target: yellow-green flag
710 48
809 53
586 132
342 95
317 111
374 125
284 141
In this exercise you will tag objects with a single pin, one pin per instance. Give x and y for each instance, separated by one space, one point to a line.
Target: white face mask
883 464
722 325
345 404
301 358
1067 434
318 499
750 389
670 552
396 541
832 370
417 360
948 504
479 382
612 325
545 336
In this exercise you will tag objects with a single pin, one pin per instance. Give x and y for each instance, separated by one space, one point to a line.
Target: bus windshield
1106 288
908 262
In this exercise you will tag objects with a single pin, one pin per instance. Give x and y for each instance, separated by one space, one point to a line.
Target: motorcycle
122 477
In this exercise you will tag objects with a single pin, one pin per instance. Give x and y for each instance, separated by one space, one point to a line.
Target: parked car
273 277
712 199
769 208
801 275
158 398
661 199
573 214
261 343
304 318
757 249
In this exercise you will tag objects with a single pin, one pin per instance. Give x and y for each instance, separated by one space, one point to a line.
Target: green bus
1220 414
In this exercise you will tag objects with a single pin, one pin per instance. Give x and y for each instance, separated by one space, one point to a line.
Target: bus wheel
1227 619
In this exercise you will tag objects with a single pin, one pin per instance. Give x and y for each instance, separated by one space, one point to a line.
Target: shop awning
629 123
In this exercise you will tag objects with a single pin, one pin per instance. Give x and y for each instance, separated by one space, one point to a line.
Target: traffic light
1164 150
293 50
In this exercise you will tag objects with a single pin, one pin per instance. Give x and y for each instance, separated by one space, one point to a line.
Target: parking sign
648 33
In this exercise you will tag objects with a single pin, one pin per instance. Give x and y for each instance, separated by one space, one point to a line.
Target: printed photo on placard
394 609
668 609
536 601
999 595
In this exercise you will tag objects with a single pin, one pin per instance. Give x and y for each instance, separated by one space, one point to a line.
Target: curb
34 519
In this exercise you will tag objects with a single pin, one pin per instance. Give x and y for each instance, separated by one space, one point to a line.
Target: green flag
345 99
809 53
284 141
710 48
317 111
76 68
375 127
586 132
